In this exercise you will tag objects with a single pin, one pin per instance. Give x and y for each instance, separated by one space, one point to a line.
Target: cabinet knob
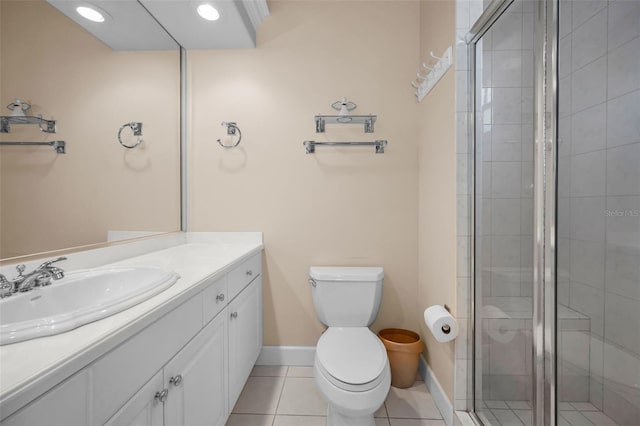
162 395
249 272
234 315
176 380
220 297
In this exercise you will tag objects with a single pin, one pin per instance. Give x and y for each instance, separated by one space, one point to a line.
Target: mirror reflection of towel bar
310 146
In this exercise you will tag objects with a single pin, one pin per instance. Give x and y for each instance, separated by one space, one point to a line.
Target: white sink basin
77 299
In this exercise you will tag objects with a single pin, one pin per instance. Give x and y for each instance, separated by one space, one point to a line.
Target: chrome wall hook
232 130
425 66
136 128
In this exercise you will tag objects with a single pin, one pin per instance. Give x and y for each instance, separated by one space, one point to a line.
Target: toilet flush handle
312 282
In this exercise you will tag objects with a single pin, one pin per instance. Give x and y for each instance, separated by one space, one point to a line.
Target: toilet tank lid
346 273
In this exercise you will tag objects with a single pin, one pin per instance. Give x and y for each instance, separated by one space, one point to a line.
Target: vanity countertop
29 368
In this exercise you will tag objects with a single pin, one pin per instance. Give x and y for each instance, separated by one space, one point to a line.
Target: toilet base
334 418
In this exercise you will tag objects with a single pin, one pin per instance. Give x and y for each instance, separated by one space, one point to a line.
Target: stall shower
555 142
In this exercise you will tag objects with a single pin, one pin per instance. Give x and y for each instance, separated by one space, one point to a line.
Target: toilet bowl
352 372
351 367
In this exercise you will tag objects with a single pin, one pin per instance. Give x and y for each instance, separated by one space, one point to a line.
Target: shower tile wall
599 203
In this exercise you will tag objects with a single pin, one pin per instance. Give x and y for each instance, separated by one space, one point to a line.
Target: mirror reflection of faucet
42 276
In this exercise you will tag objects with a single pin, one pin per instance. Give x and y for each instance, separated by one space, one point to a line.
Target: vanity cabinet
189 390
245 337
185 369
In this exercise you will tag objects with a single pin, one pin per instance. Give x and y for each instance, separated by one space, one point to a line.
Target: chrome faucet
39 277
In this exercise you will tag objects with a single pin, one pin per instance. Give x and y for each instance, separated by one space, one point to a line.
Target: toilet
351 368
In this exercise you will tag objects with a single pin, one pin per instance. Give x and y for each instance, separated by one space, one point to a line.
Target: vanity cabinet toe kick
187 368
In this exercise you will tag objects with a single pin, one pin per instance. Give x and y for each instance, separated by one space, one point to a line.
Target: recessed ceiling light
208 12
90 13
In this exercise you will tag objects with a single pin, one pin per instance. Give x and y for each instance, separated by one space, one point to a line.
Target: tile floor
287 396
518 413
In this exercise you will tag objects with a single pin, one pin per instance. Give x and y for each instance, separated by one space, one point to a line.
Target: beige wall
437 187
51 201
344 206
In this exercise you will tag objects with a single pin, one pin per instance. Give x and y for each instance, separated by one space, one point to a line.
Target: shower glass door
598 216
503 215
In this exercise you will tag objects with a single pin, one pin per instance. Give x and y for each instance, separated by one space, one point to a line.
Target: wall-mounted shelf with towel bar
58 146
47 126
310 146
367 120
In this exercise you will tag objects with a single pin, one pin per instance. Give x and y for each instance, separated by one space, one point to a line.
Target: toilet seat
351 358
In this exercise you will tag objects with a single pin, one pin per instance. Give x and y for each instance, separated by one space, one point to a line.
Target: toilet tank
346 296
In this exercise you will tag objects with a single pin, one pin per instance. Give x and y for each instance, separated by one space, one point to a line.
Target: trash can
403 349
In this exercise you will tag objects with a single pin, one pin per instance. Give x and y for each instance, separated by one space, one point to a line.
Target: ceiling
129 26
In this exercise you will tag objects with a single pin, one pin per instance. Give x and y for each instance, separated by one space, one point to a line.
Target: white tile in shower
527 31
574 350
588 301
564 96
462 142
588 128
565 18
506 105
587 263
623 271
623 222
564 138
564 57
527 68
507 32
583 10
623 116
624 22
624 69
506 417
505 216
506 142
461 97
588 174
620 314
505 251
589 85
505 179
623 170
589 41
526 216
506 68
588 218
526 180
462 221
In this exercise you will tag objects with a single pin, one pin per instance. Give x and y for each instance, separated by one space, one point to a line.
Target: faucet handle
49 262
20 268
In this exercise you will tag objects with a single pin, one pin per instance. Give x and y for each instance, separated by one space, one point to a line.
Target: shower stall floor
518 413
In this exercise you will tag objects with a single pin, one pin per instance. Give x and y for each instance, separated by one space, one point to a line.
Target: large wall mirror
98 190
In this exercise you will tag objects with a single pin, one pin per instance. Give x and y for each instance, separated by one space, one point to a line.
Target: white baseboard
438 394
302 356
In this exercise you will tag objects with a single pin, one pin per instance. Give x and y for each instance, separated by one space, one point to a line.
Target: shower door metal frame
544 374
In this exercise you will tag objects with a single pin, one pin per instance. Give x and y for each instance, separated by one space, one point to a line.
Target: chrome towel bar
310 146
59 146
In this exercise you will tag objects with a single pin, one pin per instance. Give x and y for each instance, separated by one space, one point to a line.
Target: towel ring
232 129
136 128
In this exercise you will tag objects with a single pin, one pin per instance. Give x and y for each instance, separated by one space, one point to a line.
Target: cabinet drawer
244 274
215 298
119 374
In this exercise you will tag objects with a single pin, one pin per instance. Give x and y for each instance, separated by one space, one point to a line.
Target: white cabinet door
144 408
64 405
197 379
245 336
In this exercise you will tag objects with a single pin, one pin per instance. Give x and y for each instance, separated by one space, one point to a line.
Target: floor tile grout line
284 383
